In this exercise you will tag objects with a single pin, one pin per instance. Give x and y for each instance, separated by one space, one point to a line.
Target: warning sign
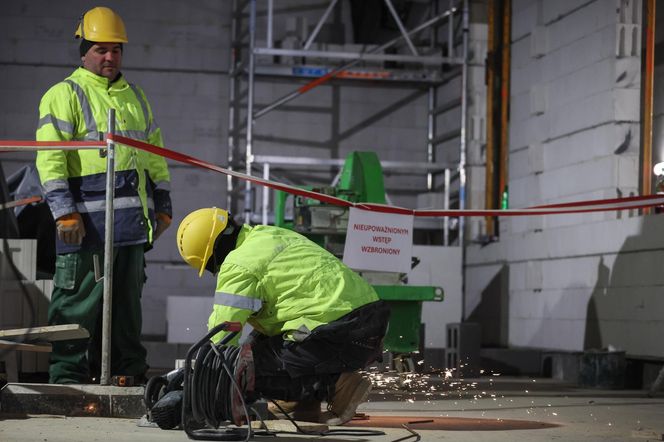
378 241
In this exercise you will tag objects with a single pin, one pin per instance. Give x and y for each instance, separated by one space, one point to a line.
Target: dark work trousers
78 299
308 369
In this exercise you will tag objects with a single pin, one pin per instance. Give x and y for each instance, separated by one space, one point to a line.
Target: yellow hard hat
197 233
101 25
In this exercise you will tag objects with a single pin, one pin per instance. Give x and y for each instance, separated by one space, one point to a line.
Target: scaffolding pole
248 202
352 59
462 154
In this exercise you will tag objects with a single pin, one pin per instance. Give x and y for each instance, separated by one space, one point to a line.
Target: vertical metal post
270 18
446 206
231 105
266 192
431 103
248 203
450 31
462 155
108 255
431 128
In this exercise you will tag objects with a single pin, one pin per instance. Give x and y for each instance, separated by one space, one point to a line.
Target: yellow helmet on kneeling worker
197 234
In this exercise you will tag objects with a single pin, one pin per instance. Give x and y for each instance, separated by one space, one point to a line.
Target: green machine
361 180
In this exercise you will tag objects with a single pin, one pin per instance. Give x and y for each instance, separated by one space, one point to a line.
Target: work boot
302 411
350 391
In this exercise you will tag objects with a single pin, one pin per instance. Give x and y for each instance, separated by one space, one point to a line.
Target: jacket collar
244 232
98 80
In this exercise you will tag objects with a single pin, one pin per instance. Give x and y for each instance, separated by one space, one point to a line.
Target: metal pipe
431 60
107 310
270 18
450 32
336 71
266 190
462 155
403 31
319 25
431 100
250 111
431 128
231 109
276 160
446 206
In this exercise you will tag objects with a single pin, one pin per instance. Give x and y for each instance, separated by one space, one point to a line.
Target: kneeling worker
316 322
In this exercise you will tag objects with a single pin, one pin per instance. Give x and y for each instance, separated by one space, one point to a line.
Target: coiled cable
208 391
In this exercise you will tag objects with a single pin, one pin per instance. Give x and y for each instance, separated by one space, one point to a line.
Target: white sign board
379 241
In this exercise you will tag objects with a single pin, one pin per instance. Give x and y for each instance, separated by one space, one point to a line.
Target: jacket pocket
65 271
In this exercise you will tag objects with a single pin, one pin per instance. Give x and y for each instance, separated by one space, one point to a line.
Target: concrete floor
579 415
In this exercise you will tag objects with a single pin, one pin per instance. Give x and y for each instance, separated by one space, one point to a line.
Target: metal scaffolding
428 73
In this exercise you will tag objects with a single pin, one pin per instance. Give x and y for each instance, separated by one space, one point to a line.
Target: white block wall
581 281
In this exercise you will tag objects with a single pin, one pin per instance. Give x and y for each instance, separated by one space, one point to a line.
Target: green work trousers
78 299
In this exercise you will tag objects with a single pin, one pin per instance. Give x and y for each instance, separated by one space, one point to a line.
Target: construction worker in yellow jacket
316 322
75 188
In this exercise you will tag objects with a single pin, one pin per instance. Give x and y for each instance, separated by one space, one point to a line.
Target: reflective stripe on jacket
283 283
74 181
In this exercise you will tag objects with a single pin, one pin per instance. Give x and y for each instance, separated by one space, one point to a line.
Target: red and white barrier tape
21 202
613 204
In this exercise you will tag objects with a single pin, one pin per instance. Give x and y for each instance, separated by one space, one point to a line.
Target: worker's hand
70 228
163 222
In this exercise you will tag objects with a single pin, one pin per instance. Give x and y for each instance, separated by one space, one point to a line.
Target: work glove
70 228
163 222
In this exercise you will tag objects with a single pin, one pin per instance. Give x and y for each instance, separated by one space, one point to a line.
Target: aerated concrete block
187 318
462 354
524 17
23 255
73 400
573 22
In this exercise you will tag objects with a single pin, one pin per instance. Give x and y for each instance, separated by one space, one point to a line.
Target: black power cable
209 387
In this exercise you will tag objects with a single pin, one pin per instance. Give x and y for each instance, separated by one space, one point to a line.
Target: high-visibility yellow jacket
75 180
282 283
